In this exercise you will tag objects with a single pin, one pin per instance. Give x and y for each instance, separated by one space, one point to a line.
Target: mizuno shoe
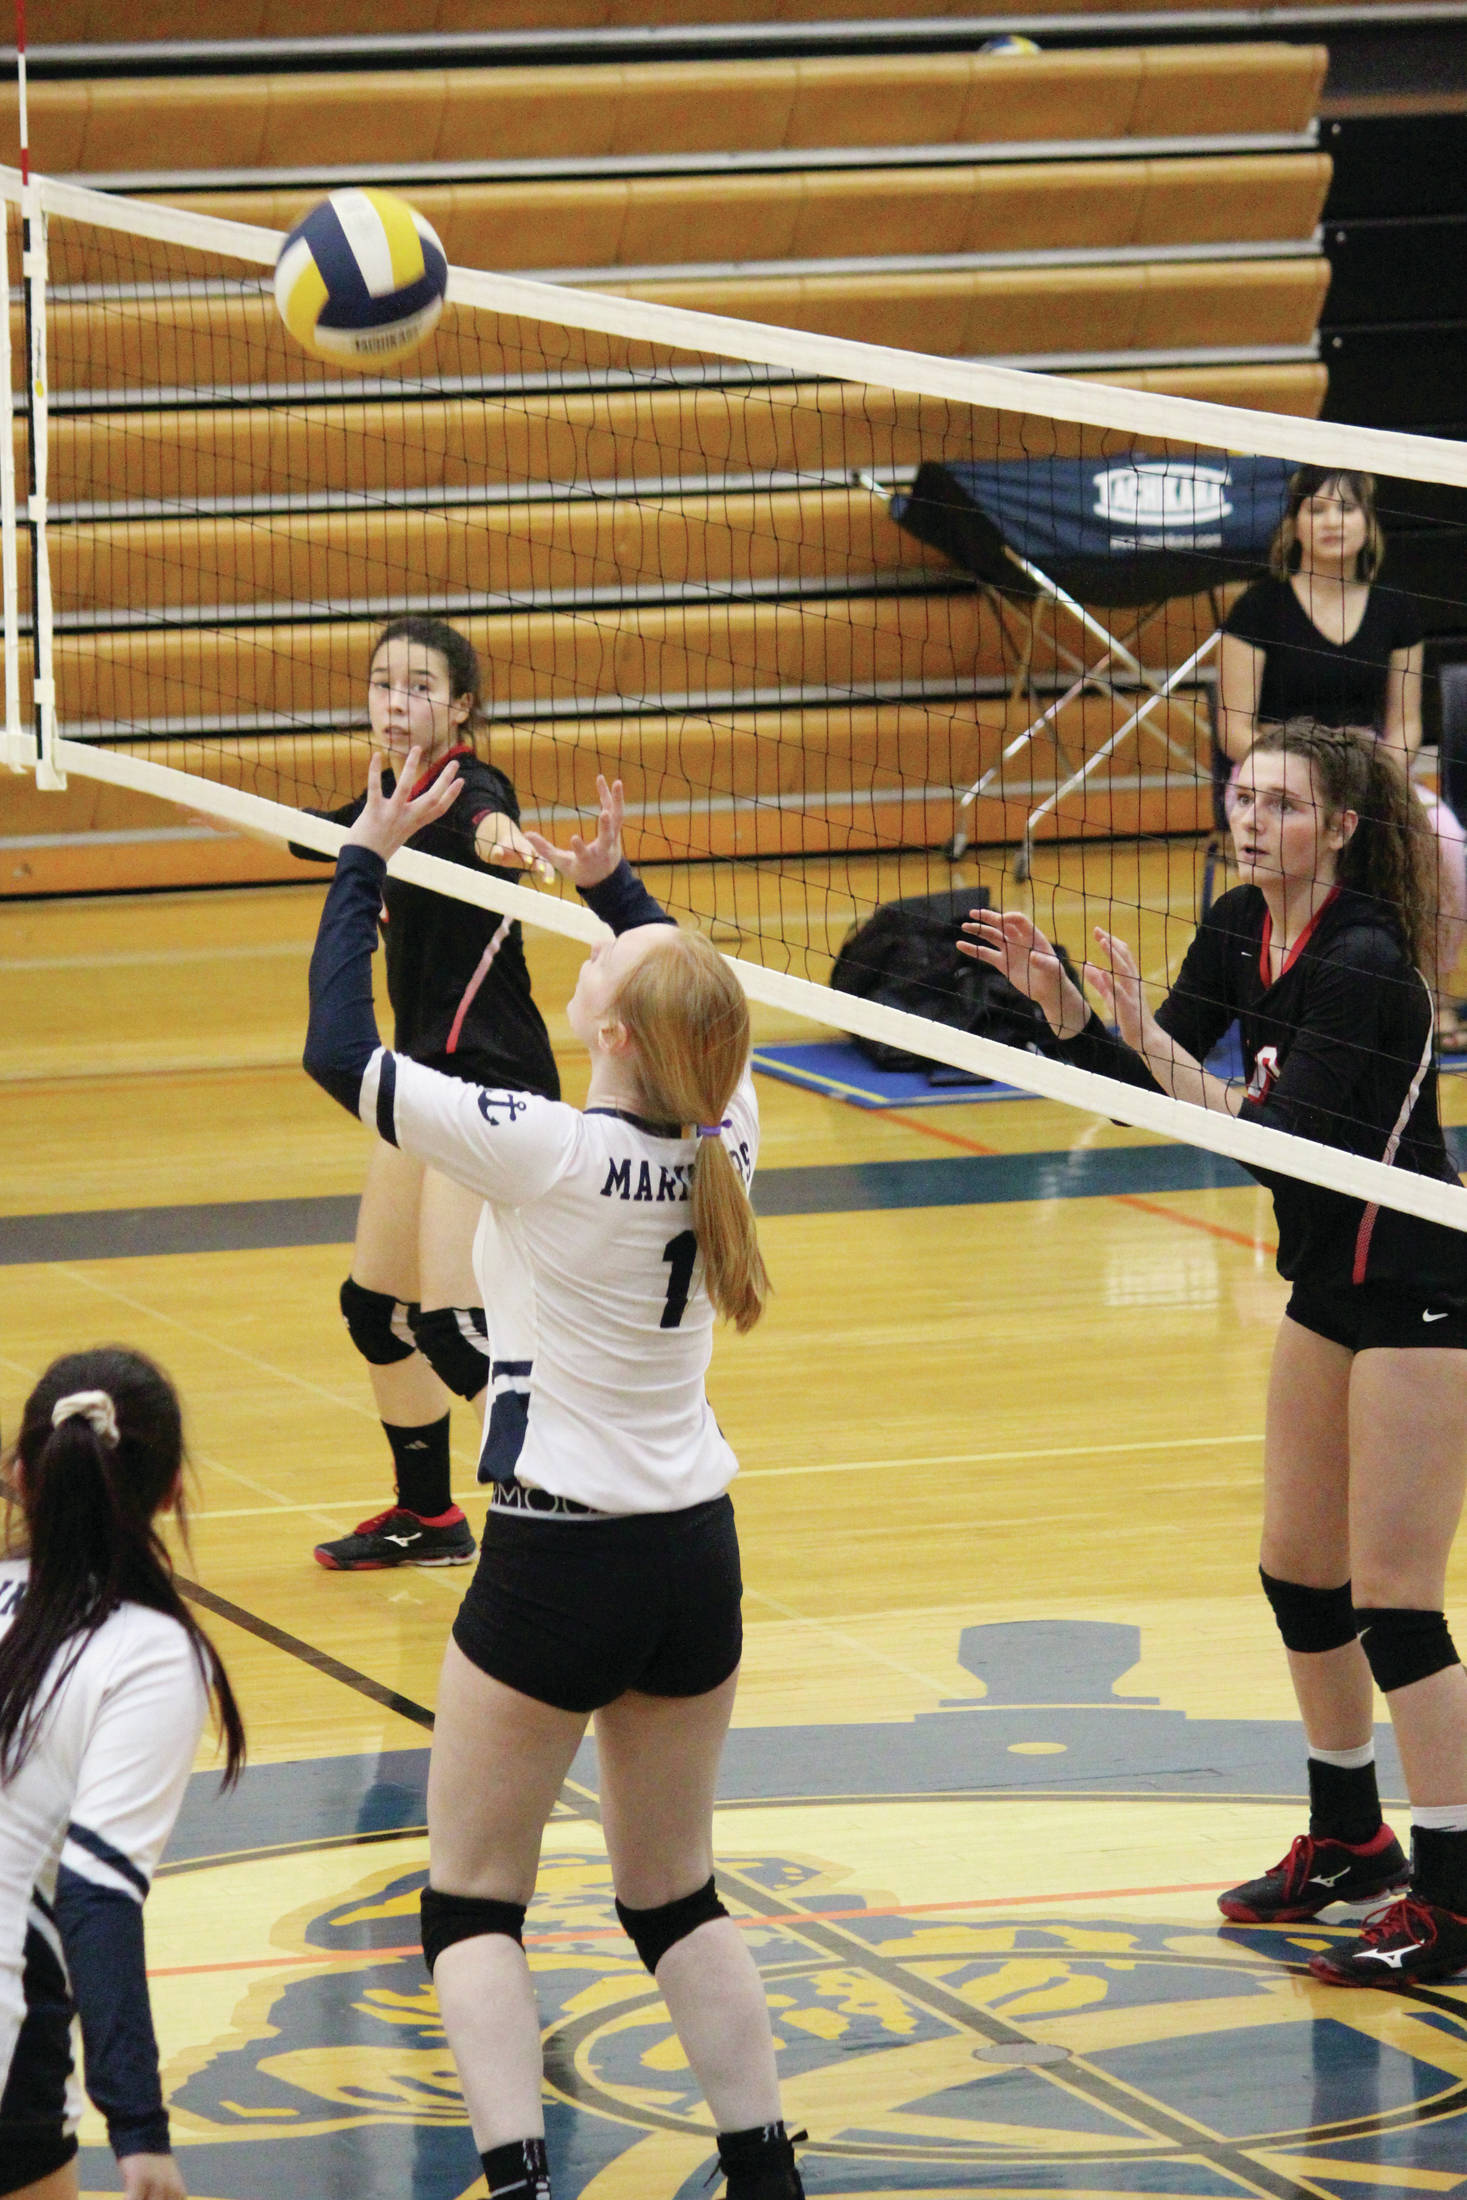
400 1538
1316 1873
1409 1942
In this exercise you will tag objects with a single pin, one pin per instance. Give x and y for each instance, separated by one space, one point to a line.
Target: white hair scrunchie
93 1406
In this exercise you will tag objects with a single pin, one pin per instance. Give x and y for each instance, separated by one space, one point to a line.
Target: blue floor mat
838 1068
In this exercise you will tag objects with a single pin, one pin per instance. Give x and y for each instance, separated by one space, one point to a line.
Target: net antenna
19 753
660 432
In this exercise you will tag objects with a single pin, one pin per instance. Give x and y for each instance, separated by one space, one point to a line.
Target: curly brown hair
1391 855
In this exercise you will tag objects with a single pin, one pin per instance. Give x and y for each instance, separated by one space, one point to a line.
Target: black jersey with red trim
456 974
1339 1048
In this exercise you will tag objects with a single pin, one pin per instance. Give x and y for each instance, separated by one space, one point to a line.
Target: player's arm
1156 1039
1239 684
508 1146
1402 729
598 868
138 1756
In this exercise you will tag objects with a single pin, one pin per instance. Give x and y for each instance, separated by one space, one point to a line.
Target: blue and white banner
1110 531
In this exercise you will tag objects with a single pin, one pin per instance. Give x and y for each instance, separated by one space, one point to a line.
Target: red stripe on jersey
500 935
1298 947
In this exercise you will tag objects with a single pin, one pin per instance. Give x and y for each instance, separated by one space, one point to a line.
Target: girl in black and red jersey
460 993
1318 956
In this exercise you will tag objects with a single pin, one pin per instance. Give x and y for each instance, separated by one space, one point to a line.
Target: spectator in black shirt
1317 956
1323 638
460 993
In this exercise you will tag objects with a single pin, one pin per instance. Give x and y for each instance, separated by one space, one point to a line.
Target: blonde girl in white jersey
105 1679
608 1581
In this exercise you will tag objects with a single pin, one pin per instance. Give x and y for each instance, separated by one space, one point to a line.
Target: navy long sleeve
102 1932
342 1036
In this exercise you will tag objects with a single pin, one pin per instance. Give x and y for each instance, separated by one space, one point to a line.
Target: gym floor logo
926 2053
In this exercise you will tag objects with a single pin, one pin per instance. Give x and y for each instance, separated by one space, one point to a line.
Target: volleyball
361 279
1009 42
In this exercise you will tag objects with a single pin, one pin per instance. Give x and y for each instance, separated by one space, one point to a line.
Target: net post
43 682
15 749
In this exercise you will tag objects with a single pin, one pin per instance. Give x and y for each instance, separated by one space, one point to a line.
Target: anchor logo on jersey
498 1107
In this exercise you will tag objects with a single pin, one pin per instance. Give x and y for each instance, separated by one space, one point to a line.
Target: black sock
1344 1802
518 2170
420 1462
760 2163
1439 1868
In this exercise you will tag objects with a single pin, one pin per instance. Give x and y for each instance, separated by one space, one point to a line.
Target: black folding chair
1083 535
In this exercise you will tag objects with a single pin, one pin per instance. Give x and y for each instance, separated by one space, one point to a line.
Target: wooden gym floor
1011 1711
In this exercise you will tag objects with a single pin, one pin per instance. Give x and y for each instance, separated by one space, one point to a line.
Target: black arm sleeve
623 902
341 1035
348 814
102 1932
1196 1013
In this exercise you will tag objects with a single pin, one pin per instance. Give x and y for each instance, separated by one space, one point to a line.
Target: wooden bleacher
814 654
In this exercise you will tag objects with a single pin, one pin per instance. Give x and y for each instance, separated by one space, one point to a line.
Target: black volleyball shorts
575 1610
1380 1316
29 2152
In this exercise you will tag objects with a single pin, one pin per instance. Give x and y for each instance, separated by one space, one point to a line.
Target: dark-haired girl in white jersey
105 1679
608 1581
1318 956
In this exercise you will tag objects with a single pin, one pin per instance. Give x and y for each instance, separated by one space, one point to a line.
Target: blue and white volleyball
1009 42
361 280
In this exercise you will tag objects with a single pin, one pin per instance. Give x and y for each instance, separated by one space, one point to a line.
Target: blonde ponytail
685 1013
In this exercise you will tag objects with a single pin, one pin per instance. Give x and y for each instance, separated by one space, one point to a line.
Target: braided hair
1390 858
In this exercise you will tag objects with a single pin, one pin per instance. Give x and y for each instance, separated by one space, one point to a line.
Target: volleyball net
838 616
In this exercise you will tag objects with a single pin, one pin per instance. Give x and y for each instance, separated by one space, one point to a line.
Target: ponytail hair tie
95 1407
708 1130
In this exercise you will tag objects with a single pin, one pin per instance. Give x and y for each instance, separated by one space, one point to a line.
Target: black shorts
1366 1317
29 2152
574 1611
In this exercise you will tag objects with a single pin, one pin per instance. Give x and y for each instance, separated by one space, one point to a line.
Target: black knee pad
1405 1645
450 1917
653 1932
1311 1619
380 1326
454 1340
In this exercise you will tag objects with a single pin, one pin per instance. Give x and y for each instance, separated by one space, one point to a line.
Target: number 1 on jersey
680 1253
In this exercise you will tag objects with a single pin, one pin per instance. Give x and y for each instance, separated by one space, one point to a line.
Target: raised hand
1012 943
388 821
1119 988
588 862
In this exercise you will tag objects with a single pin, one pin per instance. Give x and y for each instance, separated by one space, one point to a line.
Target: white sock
1440 1817
1348 1760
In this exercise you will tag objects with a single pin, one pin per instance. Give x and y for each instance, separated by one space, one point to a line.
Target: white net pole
49 773
19 753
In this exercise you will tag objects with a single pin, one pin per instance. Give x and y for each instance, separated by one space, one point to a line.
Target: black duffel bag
906 956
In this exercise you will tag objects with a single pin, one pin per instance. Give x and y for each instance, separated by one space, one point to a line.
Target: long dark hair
1285 552
1391 855
457 652
89 1488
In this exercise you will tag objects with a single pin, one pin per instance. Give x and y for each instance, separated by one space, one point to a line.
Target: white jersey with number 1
618 1416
